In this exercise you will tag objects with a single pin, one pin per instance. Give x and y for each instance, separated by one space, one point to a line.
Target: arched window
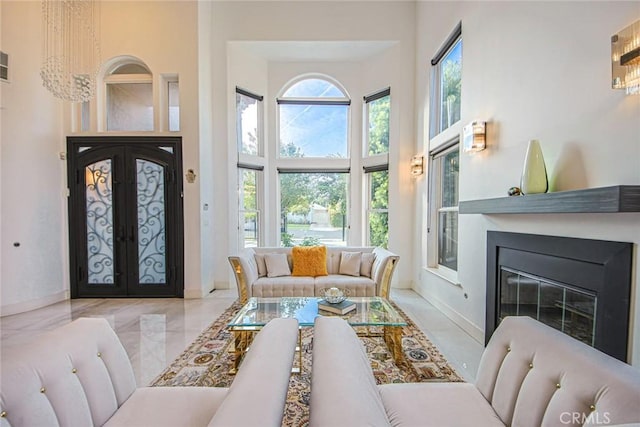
313 162
313 118
129 96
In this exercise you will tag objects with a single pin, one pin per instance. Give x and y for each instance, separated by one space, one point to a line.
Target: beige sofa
80 375
251 283
530 375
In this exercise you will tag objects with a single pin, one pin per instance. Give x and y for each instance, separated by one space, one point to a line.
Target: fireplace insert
579 286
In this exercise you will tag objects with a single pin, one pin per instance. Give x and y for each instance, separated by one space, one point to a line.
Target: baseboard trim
474 331
21 307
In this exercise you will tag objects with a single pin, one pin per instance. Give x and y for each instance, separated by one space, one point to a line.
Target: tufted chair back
81 379
534 376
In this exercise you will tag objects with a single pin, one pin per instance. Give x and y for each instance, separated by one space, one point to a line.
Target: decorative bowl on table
334 295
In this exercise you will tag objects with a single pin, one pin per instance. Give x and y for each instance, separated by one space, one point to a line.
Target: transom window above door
129 96
313 120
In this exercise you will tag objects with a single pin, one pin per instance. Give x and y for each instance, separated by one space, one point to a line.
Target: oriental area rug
207 361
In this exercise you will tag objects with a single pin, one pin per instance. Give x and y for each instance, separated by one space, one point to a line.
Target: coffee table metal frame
370 311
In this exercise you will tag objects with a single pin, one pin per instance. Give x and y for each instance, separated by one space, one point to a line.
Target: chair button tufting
558 385
592 407
99 354
42 390
74 370
3 414
508 349
530 365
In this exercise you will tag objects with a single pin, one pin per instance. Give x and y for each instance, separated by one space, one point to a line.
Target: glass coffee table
370 311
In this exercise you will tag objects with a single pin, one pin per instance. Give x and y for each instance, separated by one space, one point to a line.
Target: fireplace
579 286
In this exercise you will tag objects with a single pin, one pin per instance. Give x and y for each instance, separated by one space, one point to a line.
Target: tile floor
155 331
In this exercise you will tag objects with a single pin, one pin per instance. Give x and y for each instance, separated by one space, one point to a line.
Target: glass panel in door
99 205
151 222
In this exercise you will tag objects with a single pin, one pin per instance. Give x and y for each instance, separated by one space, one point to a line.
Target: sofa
530 375
373 278
80 375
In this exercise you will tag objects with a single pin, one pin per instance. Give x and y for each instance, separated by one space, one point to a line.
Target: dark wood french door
125 216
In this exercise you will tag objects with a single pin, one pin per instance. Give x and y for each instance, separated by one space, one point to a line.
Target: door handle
121 234
132 235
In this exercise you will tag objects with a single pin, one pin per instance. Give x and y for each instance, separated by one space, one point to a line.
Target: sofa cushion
357 286
277 265
309 260
169 406
262 267
350 263
366 263
437 405
285 286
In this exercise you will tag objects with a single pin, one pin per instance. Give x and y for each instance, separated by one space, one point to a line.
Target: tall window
376 165
250 167
313 163
444 176
249 212
446 81
444 157
129 98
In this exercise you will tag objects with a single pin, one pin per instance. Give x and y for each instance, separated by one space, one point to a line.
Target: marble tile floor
154 331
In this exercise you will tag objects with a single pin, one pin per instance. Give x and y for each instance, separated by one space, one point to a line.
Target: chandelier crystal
71 52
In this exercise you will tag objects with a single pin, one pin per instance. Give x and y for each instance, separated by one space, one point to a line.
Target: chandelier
71 52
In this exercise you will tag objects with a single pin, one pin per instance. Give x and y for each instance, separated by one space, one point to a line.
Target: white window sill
447 274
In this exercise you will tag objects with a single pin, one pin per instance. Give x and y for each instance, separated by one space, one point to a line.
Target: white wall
534 71
32 273
316 21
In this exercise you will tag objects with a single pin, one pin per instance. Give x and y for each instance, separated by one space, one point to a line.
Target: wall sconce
625 59
191 176
417 165
474 136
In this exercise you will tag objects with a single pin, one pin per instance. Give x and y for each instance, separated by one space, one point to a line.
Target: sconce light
417 165
625 59
191 176
474 136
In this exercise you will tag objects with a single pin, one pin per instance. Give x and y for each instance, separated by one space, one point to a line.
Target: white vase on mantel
534 173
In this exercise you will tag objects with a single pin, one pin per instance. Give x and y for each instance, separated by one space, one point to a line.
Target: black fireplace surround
593 272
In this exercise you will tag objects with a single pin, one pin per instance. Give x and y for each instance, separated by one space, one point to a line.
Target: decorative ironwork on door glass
151 222
99 200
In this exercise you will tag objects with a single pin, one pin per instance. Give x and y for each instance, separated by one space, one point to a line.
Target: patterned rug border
206 362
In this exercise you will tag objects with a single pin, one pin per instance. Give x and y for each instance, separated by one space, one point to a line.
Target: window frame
435 110
259 188
434 237
116 79
167 81
252 162
369 210
284 165
259 125
373 163
313 101
368 99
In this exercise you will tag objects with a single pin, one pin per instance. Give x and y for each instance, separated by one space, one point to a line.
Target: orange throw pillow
309 261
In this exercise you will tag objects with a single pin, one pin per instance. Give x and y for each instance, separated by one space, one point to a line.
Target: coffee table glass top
370 311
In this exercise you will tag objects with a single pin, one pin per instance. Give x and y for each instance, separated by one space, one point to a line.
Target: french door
125 216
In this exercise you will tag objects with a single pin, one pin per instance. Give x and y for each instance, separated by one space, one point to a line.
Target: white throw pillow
350 263
277 265
367 263
262 267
